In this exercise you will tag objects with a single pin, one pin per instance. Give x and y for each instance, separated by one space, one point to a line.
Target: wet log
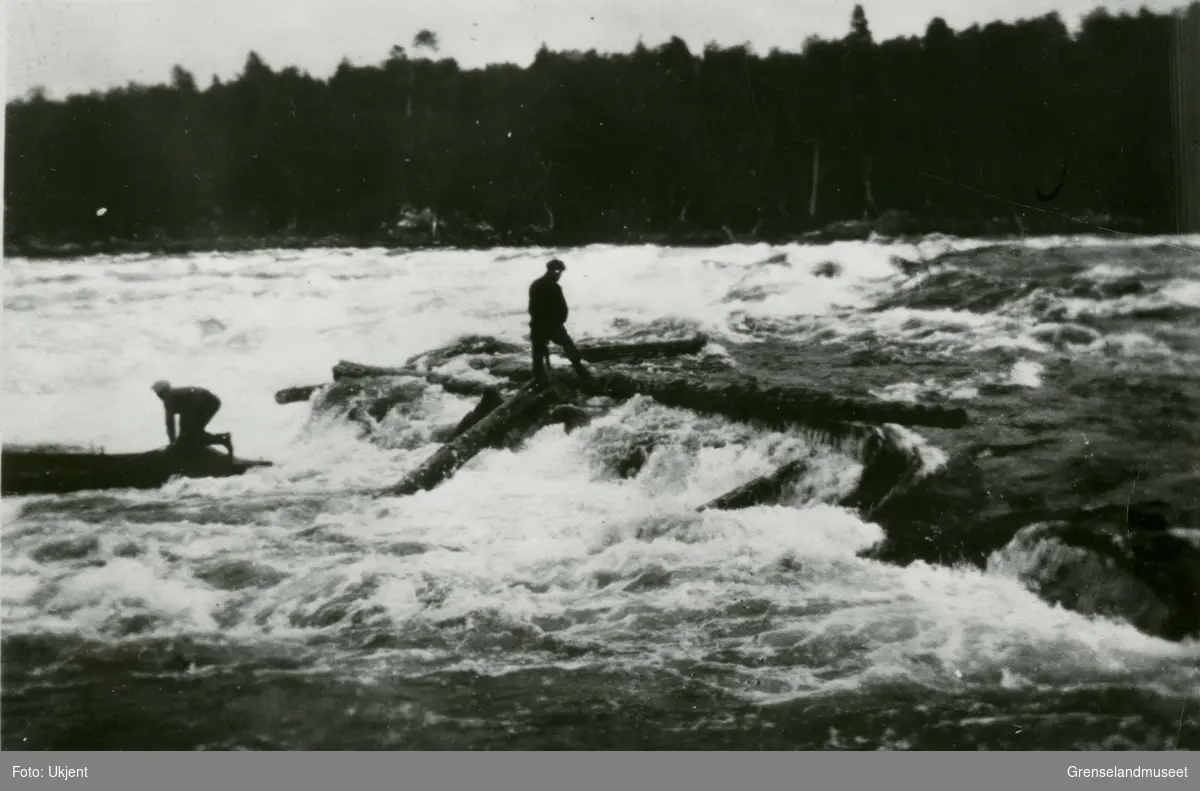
346 369
348 385
490 402
596 351
600 351
523 407
767 488
457 386
374 397
28 471
739 399
775 405
781 405
888 470
295 395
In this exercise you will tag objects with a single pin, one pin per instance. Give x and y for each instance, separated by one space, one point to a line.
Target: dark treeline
972 125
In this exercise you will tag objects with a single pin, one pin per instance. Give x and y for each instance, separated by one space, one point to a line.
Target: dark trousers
192 425
542 337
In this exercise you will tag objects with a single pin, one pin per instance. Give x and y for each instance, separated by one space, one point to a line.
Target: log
295 395
28 471
374 397
760 490
524 406
451 384
775 405
487 405
600 351
457 386
379 406
596 351
347 372
888 469
779 406
351 370
739 400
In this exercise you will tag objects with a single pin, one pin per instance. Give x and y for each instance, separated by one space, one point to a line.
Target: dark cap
556 266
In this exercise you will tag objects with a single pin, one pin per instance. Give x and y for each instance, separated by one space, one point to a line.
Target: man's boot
585 376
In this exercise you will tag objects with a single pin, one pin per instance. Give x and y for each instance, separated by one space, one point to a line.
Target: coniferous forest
994 129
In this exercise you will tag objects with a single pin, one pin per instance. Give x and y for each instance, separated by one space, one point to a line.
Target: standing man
547 320
195 406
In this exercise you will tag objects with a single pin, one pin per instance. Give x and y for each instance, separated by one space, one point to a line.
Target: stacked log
494 420
739 400
593 352
507 363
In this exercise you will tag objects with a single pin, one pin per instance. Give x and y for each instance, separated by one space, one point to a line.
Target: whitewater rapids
538 599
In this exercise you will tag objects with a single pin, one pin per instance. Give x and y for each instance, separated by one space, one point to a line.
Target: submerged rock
630 463
827 269
654 578
931 517
66 549
1141 573
571 417
233 575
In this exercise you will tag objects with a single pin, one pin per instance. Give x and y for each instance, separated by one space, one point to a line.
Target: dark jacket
190 399
193 405
547 305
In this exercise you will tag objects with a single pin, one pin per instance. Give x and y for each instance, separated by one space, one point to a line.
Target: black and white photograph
597 375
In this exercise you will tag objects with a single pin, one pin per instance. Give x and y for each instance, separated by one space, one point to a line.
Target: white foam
1027 373
514 538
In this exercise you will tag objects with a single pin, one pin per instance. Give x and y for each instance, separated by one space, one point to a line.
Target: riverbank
894 226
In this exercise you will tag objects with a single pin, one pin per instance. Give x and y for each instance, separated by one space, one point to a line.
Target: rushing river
538 599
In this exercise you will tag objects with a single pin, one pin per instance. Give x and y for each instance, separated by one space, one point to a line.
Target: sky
83 45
